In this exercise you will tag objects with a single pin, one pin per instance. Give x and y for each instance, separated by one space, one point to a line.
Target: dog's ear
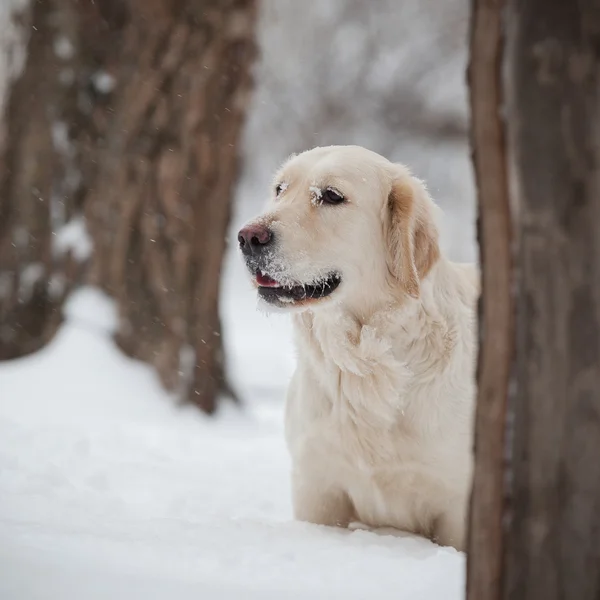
412 236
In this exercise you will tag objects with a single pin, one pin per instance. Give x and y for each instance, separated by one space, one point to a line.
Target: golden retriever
380 409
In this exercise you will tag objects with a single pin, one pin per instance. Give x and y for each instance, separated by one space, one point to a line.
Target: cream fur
380 408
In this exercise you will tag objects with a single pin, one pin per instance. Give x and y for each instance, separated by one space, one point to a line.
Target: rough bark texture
495 306
128 114
550 545
553 84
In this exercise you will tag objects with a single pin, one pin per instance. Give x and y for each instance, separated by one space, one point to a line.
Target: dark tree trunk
549 546
126 122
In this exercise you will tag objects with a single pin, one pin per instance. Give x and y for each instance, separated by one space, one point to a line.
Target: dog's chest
362 404
362 438
388 473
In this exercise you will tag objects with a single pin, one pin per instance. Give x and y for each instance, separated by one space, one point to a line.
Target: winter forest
142 393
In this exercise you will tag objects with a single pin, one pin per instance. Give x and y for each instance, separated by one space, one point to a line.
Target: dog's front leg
320 503
450 527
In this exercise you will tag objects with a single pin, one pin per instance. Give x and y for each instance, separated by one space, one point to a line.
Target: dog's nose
254 238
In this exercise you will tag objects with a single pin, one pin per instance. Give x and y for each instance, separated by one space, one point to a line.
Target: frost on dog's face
321 237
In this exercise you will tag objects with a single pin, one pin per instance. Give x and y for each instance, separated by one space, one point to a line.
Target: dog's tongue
265 280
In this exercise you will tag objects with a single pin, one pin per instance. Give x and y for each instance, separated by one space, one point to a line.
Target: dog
380 409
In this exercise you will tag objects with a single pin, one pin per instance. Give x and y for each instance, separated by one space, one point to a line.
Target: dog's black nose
254 238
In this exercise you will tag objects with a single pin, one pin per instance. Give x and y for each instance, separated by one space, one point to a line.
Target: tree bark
495 305
33 166
125 122
549 547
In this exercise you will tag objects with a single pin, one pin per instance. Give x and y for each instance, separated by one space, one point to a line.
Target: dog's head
342 223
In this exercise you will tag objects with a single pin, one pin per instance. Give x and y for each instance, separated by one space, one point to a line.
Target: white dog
380 409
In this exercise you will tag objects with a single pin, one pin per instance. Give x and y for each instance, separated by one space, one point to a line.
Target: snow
60 138
73 237
30 275
63 48
109 489
103 82
316 194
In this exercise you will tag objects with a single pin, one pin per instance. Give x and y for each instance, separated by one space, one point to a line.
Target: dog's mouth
273 292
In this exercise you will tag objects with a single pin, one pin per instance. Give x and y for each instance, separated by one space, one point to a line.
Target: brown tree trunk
125 122
495 305
549 546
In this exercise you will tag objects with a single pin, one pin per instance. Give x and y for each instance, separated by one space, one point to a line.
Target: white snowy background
107 488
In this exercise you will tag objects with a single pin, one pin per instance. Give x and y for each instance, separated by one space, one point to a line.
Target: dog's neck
371 364
356 341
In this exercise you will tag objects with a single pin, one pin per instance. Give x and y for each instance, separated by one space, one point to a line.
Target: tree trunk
124 127
495 305
549 547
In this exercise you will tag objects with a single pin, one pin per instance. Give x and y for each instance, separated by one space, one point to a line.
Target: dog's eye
331 196
280 188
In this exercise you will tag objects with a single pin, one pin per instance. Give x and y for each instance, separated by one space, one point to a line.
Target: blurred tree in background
118 156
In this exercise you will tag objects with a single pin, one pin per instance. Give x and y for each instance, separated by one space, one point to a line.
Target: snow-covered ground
109 490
